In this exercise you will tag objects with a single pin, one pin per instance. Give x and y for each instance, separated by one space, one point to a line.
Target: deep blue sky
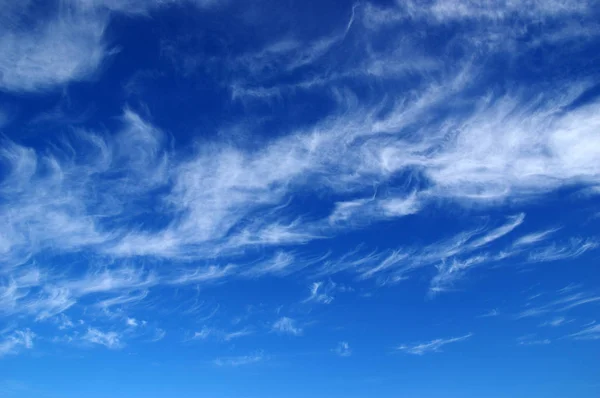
299 198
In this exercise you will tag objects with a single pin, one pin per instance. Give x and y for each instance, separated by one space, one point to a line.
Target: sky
211 198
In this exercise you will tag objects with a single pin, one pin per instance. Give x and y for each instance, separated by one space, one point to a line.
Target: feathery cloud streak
431 346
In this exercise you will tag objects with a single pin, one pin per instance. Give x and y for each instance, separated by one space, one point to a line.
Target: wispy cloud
159 334
449 273
555 322
431 346
589 333
111 340
237 334
513 222
68 42
491 313
533 238
219 334
204 274
16 341
203 334
565 299
530 339
343 349
67 47
452 257
285 325
321 292
240 360
572 249
281 264
441 11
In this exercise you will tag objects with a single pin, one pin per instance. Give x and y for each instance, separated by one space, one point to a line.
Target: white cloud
535 342
203 334
449 273
396 207
204 274
237 334
568 298
108 280
159 334
589 333
111 340
432 346
144 6
555 322
577 302
214 190
68 47
491 313
392 260
441 11
65 45
499 232
452 257
359 212
27 294
285 325
226 336
572 249
239 360
123 299
532 340
321 292
288 54
17 340
281 264
347 210
343 349
64 322
533 238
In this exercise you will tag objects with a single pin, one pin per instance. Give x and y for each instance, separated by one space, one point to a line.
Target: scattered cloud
555 322
530 339
67 43
203 334
207 332
67 47
64 322
589 333
285 325
343 349
513 222
159 334
111 340
574 248
281 264
237 334
321 292
534 237
431 346
491 313
16 341
565 299
240 360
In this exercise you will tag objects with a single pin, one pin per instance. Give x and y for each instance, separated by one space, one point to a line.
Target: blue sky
301 198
